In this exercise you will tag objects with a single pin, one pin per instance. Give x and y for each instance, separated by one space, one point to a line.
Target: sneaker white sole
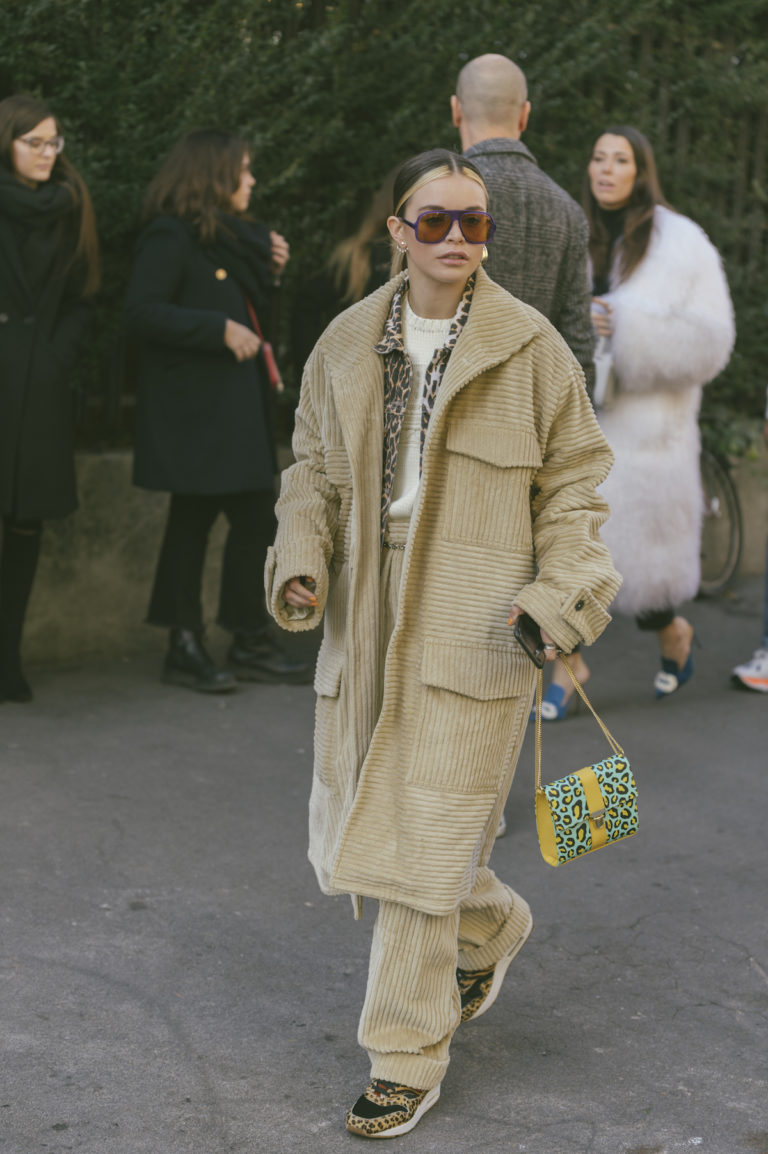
501 969
427 1101
760 684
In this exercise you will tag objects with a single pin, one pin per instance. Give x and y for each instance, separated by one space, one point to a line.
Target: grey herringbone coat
540 249
412 768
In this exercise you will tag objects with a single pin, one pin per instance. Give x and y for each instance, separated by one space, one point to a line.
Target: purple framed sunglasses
432 226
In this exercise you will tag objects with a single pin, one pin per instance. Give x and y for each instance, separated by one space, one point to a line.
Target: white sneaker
754 673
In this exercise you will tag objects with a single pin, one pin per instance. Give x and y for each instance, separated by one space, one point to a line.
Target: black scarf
613 221
33 207
243 247
40 219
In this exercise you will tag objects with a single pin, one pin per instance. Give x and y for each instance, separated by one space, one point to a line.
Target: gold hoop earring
484 257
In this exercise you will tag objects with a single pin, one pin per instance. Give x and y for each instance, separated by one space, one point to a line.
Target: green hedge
332 95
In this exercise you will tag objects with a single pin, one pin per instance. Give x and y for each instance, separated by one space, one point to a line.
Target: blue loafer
554 705
669 678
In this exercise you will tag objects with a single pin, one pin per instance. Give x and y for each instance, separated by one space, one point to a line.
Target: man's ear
455 111
525 112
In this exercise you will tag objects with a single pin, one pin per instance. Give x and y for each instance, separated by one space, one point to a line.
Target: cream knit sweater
421 336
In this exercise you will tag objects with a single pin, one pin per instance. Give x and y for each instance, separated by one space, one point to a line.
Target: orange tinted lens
433 226
476 227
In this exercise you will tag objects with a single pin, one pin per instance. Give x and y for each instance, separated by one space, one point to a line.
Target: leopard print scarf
398 373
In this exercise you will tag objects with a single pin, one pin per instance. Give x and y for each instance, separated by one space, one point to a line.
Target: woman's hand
281 252
550 648
241 340
602 317
299 592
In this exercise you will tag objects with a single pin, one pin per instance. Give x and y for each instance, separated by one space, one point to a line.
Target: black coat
40 336
201 417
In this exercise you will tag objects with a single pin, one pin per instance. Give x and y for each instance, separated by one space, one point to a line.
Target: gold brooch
221 274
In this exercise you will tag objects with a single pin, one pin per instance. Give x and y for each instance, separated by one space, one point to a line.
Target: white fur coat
673 332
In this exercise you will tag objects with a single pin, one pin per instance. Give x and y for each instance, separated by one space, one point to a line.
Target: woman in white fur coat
662 297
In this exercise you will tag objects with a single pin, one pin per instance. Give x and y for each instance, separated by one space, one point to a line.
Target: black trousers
19 553
654 620
176 601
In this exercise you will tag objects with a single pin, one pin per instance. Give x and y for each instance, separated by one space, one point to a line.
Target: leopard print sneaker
479 989
386 1109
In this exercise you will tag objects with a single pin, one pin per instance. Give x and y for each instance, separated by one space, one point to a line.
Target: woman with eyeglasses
49 267
201 285
447 459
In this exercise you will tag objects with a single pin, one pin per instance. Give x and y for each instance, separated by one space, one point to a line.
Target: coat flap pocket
328 671
505 446
485 672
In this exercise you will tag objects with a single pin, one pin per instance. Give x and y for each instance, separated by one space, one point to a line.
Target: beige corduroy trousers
412 1005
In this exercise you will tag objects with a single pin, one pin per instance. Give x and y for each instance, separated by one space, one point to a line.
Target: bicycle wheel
721 526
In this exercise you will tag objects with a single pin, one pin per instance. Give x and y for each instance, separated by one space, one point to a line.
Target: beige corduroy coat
412 768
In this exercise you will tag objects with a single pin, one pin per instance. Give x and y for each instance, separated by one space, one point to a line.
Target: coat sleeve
159 270
673 317
307 509
576 580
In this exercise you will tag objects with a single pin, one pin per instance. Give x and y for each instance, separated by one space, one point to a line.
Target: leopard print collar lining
398 373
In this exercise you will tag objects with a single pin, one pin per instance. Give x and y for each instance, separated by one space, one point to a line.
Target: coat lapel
357 379
359 402
497 327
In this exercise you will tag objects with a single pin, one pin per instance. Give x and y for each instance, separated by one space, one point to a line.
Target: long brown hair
350 261
638 221
197 179
20 114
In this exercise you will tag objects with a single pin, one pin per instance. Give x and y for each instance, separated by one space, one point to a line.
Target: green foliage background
332 95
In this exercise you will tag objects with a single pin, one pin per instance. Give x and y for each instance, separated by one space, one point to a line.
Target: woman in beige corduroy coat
423 695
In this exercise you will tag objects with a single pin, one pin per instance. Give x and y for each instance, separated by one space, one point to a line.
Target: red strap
273 372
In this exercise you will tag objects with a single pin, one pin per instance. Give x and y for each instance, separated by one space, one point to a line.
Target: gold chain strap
579 689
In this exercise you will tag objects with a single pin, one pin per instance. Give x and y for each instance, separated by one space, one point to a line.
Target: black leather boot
18 564
188 663
255 656
13 684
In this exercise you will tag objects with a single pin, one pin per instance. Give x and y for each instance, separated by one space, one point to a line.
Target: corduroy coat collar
498 326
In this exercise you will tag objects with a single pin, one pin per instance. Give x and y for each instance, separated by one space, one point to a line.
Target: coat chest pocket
474 704
488 481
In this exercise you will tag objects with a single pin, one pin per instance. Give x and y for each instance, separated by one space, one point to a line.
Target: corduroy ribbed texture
412 768
412 1005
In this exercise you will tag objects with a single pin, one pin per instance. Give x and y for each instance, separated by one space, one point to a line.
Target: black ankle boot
188 663
255 656
13 684
15 687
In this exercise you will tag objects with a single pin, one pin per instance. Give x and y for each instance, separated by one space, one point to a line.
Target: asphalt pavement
173 982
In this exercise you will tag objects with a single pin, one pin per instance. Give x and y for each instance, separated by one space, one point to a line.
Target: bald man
539 251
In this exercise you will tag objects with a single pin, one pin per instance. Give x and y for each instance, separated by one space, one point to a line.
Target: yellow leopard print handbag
588 809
